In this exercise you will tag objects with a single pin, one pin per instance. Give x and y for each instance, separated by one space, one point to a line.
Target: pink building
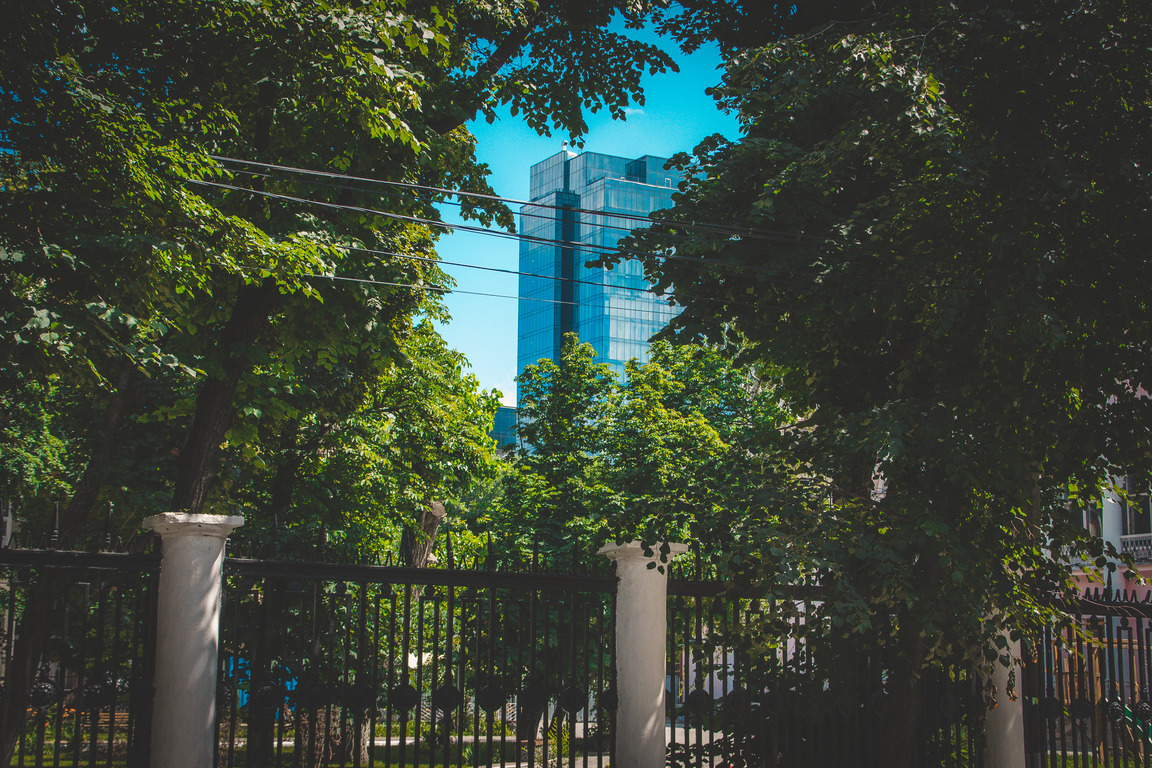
1127 525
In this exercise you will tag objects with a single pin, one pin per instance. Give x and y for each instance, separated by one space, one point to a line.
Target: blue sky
676 115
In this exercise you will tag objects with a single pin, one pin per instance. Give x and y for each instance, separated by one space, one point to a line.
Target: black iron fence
78 656
361 665
320 664
735 701
1086 687
377 665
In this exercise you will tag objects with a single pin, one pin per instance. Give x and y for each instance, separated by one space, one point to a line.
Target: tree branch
478 82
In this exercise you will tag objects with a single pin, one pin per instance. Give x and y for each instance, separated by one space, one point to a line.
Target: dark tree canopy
175 333
941 236
123 257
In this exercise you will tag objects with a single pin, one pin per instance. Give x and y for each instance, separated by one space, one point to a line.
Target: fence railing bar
433 577
107 561
694 588
1091 607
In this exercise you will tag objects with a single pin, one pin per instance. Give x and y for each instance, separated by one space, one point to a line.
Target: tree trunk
266 651
901 719
528 728
314 736
416 545
36 624
84 493
215 400
33 633
284 483
900 729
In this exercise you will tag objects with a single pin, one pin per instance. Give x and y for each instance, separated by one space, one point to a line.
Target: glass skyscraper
588 199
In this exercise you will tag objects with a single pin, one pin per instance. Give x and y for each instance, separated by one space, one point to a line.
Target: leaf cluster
945 210
678 451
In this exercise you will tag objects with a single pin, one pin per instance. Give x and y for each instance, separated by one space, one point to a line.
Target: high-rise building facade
504 429
588 199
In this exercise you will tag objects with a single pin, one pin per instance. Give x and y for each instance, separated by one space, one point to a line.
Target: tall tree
675 452
671 454
938 226
116 249
131 254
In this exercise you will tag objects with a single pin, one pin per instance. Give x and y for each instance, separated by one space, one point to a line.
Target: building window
1137 517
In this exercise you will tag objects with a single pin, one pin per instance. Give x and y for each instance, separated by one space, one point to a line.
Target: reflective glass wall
611 309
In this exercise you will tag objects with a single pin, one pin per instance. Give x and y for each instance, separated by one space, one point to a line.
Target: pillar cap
193 525
634 550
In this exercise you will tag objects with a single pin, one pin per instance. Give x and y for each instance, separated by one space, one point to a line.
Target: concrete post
1004 725
187 637
1112 520
641 663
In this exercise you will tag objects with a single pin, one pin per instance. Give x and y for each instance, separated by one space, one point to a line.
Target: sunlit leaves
678 451
951 277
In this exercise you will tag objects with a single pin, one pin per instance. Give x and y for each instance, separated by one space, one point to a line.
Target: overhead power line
775 275
499 270
445 289
523 214
748 232
430 287
600 250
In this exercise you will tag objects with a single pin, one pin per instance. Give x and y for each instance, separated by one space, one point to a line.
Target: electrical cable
499 270
429 287
787 237
444 289
395 195
637 289
592 248
572 245
561 243
763 234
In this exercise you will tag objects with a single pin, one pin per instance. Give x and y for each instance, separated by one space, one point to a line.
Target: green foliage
674 453
943 238
420 435
229 342
35 462
114 251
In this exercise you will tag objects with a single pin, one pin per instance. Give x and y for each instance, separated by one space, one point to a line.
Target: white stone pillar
1004 725
187 637
1111 520
641 663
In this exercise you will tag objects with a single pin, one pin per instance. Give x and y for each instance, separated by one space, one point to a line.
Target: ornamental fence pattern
379 665
370 665
1087 696
78 656
733 705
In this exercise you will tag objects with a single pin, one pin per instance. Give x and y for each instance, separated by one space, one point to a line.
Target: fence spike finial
54 538
106 545
448 543
490 556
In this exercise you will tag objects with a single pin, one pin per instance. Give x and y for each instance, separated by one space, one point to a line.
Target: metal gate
320 665
360 665
1086 687
734 701
85 658
385 666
